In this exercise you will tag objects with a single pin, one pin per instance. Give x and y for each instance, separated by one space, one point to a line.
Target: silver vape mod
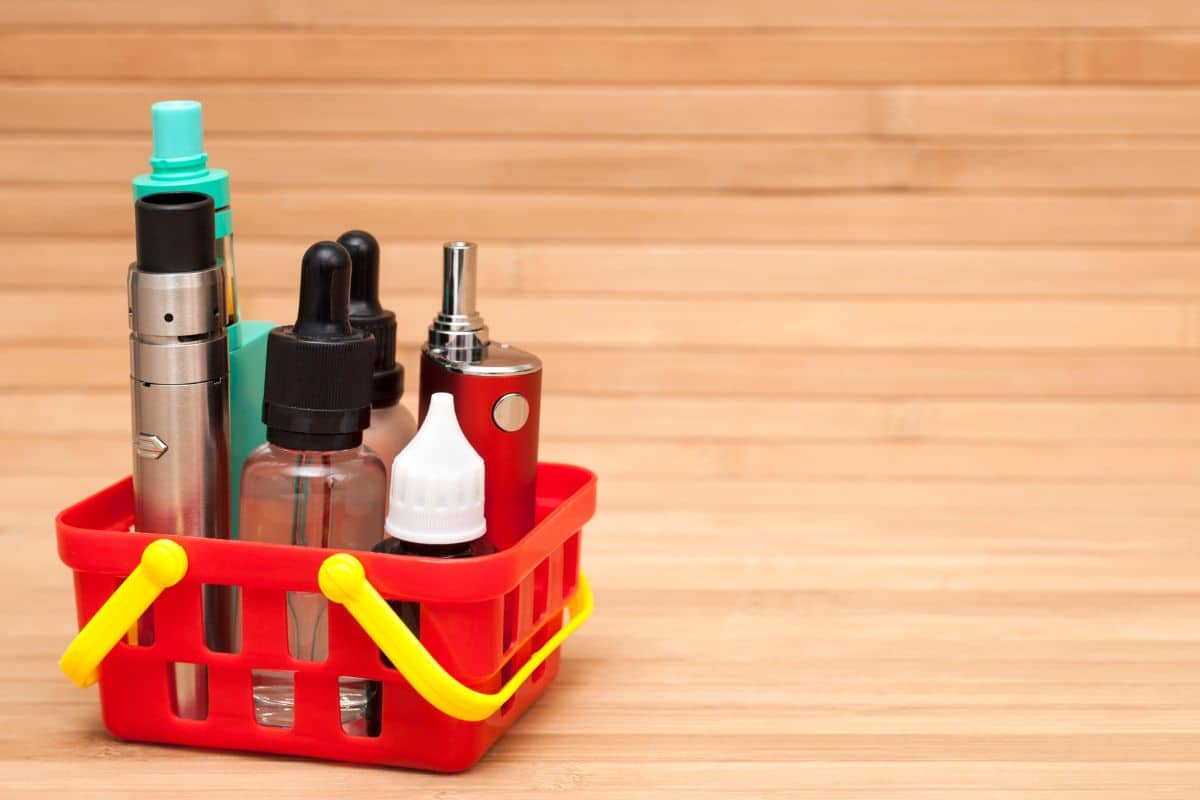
179 369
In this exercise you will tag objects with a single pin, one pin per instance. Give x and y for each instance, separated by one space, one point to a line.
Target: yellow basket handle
343 581
163 564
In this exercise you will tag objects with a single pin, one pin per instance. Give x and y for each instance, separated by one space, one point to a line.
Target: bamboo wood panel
691 270
622 165
699 460
632 322
666 371
621 14
954 420
1038 112
529 55
619 55
879 321
426 109
662 216
797 420
749 111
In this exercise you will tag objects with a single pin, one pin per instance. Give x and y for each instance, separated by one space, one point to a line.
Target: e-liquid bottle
435 509
313 483
436 497
392 425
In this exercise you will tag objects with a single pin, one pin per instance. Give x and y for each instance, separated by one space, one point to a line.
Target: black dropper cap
318 386
368 315
174 232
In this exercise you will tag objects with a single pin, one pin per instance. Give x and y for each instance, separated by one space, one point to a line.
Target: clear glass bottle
314 483
311 499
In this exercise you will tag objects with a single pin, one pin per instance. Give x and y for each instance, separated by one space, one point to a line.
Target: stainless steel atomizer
179 370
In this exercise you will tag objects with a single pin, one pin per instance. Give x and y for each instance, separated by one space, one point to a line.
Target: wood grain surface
879 320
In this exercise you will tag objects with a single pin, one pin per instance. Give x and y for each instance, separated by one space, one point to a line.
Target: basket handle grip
163 564
343 581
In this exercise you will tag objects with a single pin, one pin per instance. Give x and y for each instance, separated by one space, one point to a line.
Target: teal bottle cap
179 163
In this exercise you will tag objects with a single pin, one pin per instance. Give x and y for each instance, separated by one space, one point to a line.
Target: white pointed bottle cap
436 496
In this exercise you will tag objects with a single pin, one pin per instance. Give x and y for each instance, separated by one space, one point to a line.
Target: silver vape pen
179 369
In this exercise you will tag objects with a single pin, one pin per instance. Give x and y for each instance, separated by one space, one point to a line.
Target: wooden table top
792 638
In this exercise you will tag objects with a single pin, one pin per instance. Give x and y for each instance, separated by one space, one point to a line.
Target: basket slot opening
511 633
511 620
506 672
541 589
410 614
274 697
543 635
141 634
187 687
361 704
518 624
308 626
222 620
539 639
570 572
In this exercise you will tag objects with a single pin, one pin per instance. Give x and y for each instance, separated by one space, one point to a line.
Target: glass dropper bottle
313 483
392 425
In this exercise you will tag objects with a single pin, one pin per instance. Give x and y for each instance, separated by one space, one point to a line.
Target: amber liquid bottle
392 425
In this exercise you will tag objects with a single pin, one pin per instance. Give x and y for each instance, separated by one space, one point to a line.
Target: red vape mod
497 393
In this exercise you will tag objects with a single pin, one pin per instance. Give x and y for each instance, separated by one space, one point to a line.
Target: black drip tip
367 314
317 394
174 232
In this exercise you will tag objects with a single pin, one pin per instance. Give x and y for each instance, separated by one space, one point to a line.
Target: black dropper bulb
324 293
368 314
364 280
317 394
174 232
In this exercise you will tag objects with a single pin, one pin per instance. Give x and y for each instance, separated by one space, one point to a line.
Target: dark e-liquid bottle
314 484
436 497
435 507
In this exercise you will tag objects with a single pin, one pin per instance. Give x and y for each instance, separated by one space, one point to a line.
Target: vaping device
179 369
497 390
180 164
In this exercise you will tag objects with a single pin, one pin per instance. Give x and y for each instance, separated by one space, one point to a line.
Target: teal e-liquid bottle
179 164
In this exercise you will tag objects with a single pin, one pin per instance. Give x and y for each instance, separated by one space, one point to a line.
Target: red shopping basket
490 630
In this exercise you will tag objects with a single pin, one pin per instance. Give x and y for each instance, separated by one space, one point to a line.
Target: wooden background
878 319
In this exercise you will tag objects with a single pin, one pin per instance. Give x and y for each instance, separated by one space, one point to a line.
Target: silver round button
511 412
